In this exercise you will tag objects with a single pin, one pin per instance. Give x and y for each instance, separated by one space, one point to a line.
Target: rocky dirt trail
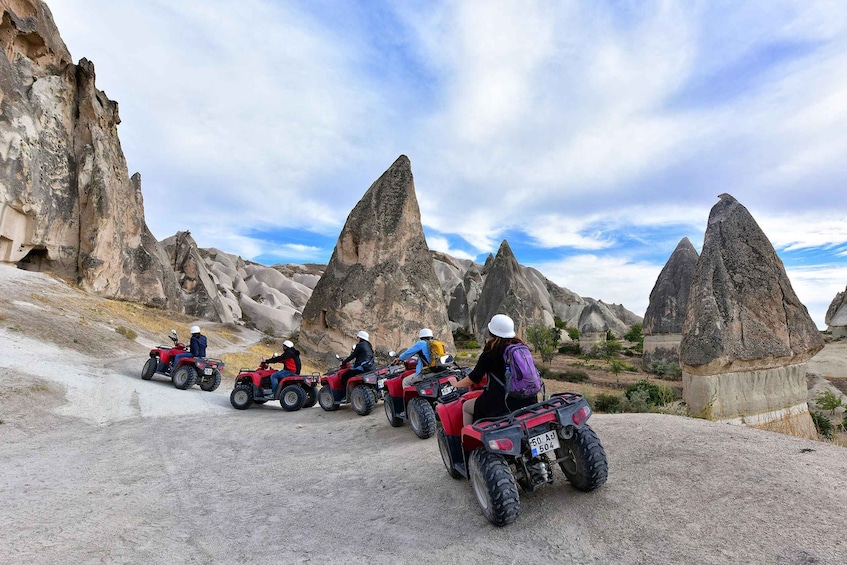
99 466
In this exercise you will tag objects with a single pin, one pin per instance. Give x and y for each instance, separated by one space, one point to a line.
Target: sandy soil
99 466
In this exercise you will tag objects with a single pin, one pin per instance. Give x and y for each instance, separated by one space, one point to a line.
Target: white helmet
195 329
426 332
502 326
287 343
363 335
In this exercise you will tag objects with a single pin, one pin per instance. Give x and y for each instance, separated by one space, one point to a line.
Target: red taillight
500 444
581 415
428 391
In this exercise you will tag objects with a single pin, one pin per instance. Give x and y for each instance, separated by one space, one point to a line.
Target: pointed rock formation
668 306
507 290
836 315
200 294
381 276
67 203
746 336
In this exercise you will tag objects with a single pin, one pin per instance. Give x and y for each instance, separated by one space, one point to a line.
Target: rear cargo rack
557 400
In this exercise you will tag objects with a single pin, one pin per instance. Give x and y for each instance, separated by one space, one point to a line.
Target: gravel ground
99 466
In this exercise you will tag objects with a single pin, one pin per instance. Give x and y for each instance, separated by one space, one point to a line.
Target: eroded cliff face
67 203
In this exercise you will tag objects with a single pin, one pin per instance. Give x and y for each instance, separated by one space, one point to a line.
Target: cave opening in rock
36 260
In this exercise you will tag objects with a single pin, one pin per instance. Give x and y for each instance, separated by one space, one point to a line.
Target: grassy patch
126 332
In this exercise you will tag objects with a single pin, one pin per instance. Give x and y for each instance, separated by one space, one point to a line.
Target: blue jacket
197 347
421 348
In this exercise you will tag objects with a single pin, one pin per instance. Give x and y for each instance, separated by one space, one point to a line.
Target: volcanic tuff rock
668 305
746 335
67 203
199 291
381 276
507 290
836 315
462 282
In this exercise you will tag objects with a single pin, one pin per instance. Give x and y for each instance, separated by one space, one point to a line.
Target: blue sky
592 135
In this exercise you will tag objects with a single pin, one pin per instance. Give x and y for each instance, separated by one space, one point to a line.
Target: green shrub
640 400
571 348
126 332
573 333
828 401
844 422
609 403
665 369
472 344
656 395
462 338
558 323
634 334
822 424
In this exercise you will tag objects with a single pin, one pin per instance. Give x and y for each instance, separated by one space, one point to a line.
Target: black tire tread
211 384
500 484
328 390
441 437
246 388
301 398
149 368
311 396
426 417
190 379
592 467
393 419
368 400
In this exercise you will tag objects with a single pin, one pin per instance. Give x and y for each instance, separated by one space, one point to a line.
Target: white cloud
441 244
612 279
571 123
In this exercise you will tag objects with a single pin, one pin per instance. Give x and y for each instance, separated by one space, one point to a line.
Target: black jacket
493 401
362 353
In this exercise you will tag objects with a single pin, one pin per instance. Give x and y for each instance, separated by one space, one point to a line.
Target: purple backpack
522 379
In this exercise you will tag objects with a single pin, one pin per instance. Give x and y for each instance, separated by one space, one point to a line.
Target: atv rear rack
556 402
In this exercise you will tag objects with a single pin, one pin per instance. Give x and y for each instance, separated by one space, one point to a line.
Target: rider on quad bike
254 386
184 369
362 390
416 402
506 439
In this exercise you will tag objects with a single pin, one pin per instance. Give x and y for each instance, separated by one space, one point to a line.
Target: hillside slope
100 466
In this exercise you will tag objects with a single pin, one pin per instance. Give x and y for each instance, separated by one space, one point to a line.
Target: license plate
447 389
207 371
380 383
543 443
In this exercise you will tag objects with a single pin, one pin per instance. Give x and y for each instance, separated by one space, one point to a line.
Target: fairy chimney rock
507 290
746 336
67 203
380 278
836 315
665 314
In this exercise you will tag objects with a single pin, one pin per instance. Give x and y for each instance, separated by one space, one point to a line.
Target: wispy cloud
600 131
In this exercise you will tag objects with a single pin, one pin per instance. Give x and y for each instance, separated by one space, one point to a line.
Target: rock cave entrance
36 260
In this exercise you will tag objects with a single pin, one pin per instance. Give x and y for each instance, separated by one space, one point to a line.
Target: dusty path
99 466
215 485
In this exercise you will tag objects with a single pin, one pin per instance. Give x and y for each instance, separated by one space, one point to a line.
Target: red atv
203 371
416 402
254 386
500 454
363 390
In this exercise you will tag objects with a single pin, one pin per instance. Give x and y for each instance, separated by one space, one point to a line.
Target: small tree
544 340
573 333
634 334
828 401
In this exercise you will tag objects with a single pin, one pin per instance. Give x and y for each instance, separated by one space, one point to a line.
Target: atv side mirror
173 333
392 353
337 356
